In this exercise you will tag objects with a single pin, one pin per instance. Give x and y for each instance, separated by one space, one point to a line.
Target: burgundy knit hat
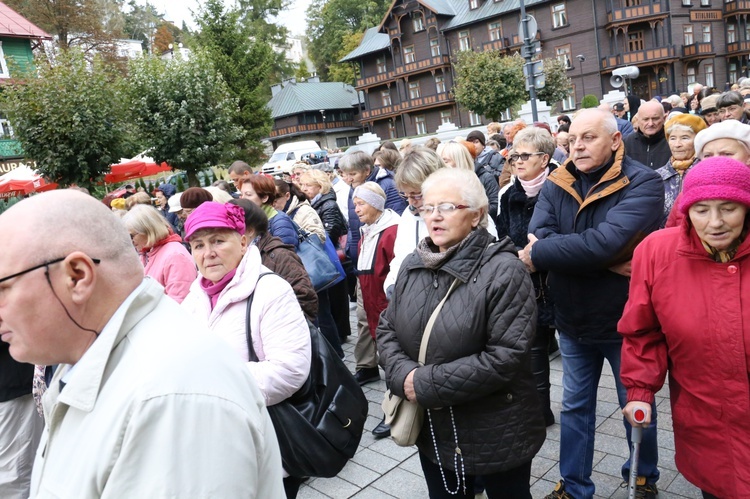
717 177
193 197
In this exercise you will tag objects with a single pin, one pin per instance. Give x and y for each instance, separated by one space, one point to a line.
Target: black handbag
320 426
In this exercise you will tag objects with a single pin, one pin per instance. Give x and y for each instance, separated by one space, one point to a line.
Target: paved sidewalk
381 469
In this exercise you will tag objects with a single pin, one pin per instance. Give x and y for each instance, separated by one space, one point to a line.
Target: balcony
738 48
736 7
312 128
649 57
10 148
420 66
636 14
697 51
412 105
500 45
371 81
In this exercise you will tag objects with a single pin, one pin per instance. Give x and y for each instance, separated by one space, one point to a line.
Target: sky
179 10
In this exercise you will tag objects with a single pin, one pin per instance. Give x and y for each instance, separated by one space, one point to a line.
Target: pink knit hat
212 215
717 177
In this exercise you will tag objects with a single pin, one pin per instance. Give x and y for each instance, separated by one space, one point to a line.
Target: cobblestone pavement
381 469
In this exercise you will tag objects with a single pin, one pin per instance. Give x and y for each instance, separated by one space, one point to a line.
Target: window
506 115
341 142
440 84
409 54
385 97
496 31
705 3
6 131
391 129
381 65
414 90
445 117
706 33
417 22
635 41
687 34
686 3
559 16
421 125
473 4
731 33
463 40
747 32
434 47
569 102
709 68
733 71
474 119
691 75
3 64
632 3
563 53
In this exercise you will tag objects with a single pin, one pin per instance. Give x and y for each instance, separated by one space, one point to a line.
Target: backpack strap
251 355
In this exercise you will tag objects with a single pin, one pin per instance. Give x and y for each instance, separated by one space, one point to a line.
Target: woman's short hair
432 143
137 198
317 177
148 221
358 161
263 186
471 189
387 144
255 218
459 153
730 98
538 138
417 165
389 159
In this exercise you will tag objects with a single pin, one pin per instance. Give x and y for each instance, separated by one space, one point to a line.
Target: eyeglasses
413 197
41 265
524 156
442 208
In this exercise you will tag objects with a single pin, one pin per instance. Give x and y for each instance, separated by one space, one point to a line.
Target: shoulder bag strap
431 322
251 355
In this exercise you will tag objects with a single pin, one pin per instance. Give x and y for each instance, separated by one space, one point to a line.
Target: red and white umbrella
22 181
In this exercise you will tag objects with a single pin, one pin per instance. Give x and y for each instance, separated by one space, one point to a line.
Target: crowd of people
621 236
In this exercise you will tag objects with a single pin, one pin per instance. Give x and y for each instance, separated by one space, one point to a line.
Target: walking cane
636 435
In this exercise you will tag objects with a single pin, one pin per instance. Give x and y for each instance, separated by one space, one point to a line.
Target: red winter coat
690 315
373 271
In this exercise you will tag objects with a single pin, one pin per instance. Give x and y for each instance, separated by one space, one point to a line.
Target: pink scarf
532 187
214 290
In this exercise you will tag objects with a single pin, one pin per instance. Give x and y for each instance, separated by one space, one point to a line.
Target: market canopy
22 181
134 169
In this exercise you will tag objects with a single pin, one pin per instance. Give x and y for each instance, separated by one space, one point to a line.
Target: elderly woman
458 155
731 107
482 412
687 314
163 256
261 190
727 139
680 131
531 154
229 274
292 201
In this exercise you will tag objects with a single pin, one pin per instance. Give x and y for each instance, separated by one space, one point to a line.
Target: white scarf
532 187
371 235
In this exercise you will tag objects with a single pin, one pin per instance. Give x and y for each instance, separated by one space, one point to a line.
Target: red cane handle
639 415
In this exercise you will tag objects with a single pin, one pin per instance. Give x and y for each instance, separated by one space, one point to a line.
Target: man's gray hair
357 161
608 121
469 187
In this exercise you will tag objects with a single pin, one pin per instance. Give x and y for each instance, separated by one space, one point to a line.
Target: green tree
71 119
301 73
329 22
227 41
589 101
184 111
556 82
488 83
258 17
141 22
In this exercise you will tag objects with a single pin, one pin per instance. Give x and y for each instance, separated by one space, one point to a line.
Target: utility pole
531 70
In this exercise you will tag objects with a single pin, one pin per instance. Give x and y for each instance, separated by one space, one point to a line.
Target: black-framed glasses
442 208
41 265
524 156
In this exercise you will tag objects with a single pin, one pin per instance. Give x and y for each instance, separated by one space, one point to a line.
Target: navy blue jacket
586 223
281 226
384 178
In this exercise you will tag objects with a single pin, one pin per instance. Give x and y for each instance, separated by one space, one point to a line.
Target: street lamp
581 59
171 49
325 138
